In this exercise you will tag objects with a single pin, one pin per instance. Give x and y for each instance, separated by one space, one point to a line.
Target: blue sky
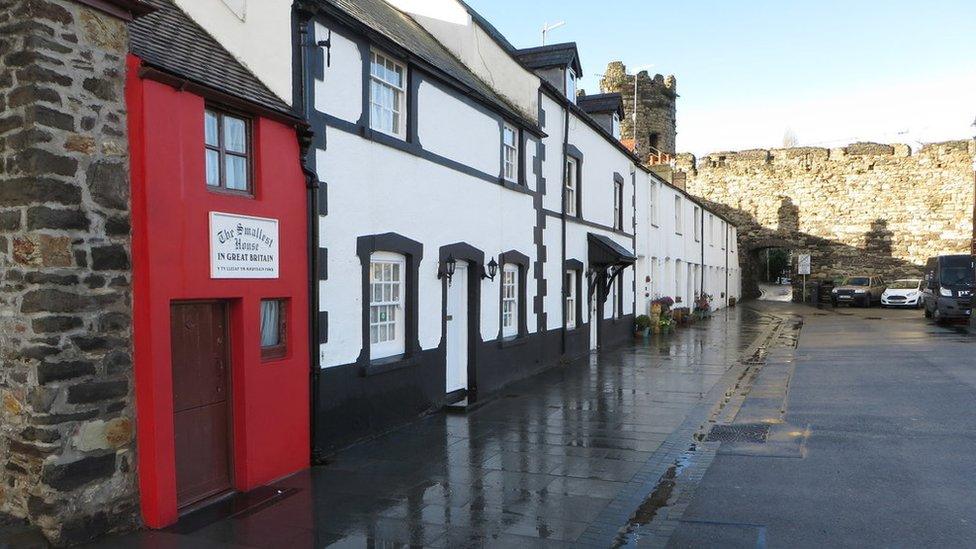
832 71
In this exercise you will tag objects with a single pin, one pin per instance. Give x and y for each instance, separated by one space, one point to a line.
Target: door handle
450 317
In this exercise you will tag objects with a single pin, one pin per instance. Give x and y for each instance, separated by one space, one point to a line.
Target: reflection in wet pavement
534 467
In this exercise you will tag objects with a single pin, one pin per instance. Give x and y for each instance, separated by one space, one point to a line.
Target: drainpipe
312 219
726 263
562 266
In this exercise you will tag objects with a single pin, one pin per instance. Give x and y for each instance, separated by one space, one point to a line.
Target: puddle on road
662 495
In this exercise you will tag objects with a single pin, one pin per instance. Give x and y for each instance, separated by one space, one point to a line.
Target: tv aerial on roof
546 27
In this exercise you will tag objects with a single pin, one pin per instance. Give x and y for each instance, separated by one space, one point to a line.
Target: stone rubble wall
66 387
865 208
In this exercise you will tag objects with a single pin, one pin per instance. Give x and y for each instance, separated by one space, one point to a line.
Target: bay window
387 93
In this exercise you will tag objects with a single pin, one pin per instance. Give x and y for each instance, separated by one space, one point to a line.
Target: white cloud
907 111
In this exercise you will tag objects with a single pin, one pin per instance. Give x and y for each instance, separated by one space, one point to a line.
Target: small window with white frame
387 95
386 304
652 203
677 215
510 300
572 186
571 84
569 290
510 153
698 214
615 126
618 205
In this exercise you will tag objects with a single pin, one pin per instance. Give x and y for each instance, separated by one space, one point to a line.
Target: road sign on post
803 268
803 264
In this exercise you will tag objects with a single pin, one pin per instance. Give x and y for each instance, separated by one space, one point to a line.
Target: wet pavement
568 457
772 424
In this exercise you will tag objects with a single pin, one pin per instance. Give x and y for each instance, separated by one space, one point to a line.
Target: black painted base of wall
354 407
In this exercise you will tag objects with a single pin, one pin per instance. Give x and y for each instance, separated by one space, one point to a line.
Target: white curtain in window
270 322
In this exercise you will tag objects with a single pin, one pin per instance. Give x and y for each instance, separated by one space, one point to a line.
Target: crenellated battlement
657 95
854 152
868 207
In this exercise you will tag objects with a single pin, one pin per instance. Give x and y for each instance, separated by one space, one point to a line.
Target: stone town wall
866 207
66 400
656 100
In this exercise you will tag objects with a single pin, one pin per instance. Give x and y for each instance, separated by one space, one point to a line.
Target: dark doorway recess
201 400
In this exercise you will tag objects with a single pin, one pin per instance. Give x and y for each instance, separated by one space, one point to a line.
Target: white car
906 292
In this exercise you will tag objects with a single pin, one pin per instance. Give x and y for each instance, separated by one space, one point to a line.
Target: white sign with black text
242 246
803 264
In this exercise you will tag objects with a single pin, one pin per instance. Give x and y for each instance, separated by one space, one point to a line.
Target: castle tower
656 99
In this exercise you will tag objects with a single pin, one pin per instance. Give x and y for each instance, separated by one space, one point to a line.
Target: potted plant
681 315
642 325
664 324
663 304
703 307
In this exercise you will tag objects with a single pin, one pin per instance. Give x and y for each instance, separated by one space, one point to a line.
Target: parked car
858 290
906 292
949 286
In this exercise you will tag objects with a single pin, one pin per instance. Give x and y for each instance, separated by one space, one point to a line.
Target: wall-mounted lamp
492 269
447 270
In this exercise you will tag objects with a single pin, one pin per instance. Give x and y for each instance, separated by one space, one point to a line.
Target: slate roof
601 103
170 40
554 55
406 33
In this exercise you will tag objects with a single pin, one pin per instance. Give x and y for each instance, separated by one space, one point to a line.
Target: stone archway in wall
758 265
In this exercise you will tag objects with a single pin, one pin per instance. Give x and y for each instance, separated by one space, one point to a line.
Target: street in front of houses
769 424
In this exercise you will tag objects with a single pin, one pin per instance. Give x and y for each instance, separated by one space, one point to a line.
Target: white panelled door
457 329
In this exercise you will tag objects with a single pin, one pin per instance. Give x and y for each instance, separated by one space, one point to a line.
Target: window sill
512 341
389 364
511 185
230 192
372 133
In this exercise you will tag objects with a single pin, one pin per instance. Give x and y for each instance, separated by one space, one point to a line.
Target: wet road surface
566 457
775 292
871 442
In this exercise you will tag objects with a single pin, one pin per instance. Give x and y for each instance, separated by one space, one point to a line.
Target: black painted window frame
412 252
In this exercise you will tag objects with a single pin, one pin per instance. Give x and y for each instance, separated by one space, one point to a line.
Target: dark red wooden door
201 400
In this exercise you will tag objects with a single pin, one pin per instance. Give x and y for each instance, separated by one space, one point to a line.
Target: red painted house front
222 391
